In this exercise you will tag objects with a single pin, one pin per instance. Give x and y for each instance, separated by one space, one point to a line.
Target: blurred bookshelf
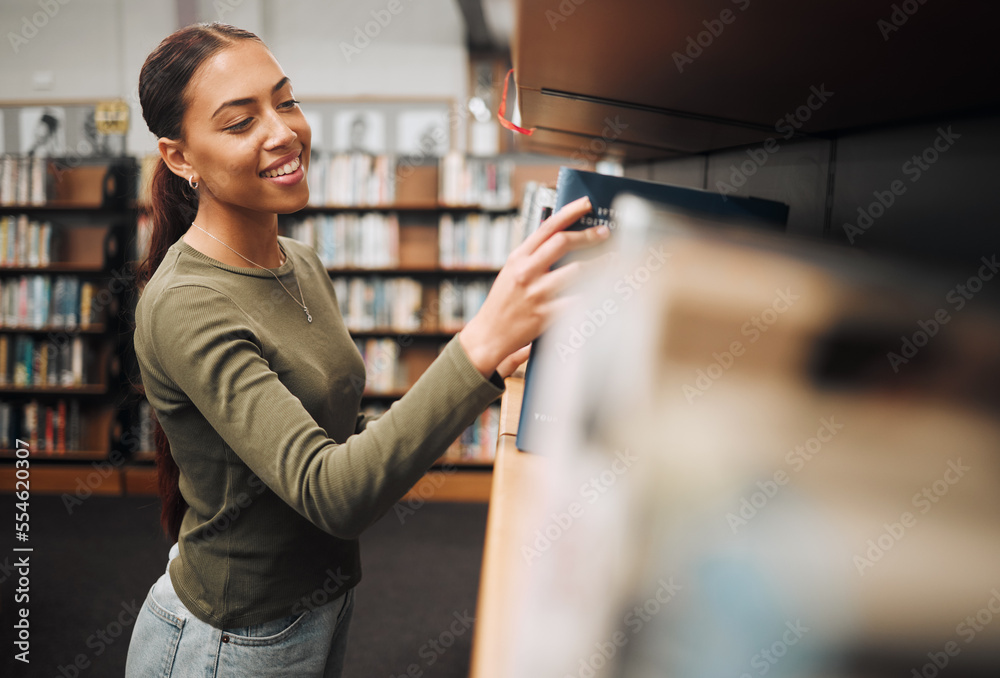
64 223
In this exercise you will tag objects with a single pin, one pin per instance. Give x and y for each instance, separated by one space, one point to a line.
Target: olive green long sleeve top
261 408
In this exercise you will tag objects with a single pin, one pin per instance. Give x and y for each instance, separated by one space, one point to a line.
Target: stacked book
47 428
475 181
383 369
378 303
350 240
478 443
459 301
23 181
24 241
477 240
351 179
26 360
38 301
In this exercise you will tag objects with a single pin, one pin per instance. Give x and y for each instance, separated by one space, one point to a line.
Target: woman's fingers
509 364
561 244
567 215
555 282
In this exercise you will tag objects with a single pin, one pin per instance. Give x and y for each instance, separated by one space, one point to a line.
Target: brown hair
163 83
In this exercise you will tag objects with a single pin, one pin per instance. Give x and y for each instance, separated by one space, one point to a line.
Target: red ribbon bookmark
503 110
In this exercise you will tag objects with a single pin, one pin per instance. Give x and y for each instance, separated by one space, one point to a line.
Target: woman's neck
255 236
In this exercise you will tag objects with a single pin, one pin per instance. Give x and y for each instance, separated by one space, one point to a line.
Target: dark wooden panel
760 67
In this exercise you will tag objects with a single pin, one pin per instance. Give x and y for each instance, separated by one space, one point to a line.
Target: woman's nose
279 133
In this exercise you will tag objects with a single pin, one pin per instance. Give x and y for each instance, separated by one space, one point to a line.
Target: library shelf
54 455
441 271
432 207
93 328
72 429
83 389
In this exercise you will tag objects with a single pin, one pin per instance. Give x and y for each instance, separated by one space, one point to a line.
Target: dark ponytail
173 203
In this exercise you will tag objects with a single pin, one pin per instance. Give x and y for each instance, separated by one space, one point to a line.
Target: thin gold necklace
300 303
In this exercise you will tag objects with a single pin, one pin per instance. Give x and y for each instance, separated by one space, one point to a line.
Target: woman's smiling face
245 136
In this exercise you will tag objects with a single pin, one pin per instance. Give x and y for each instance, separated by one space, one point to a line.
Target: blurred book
780 459
712 209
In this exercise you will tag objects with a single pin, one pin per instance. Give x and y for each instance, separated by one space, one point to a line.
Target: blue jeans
170 642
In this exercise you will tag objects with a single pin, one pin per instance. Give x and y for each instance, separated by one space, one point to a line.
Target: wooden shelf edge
98 328
439 485
68 455
65 479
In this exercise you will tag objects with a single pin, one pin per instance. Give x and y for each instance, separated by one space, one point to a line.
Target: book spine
73 432
86 303
61 428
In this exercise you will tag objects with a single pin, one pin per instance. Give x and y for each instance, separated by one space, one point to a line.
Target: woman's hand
523 297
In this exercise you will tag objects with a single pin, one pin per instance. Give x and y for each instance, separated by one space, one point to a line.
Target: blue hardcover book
602 190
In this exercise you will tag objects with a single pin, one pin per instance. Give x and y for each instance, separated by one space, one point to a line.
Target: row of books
459 301
42 300
384 373
475 181
350 240
147 443
24 241
373 302
477 240
24 180
36 361
477 444
351 179
382 303
52 429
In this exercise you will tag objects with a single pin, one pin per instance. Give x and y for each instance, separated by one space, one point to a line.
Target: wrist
480 354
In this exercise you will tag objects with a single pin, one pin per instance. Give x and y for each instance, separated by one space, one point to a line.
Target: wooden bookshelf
517 494
93 328
429 207
90 222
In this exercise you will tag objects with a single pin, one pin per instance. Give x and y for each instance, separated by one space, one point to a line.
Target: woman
267 470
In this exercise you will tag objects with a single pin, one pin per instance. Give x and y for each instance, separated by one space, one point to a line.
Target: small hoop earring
191 183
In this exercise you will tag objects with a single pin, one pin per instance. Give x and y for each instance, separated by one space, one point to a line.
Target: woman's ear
172 152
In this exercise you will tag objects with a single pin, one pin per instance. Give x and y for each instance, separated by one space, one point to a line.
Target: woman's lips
287 168
288 174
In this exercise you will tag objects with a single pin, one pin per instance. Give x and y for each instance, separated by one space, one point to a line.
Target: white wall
94 49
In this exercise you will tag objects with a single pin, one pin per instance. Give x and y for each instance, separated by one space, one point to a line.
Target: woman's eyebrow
249 100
